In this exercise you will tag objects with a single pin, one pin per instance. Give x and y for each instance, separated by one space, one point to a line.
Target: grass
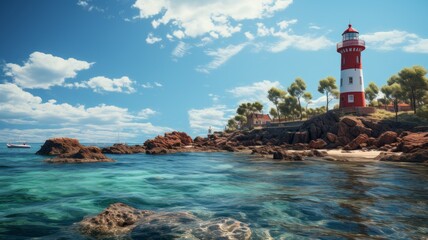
407 117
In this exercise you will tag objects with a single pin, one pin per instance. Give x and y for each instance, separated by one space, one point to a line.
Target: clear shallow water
293 200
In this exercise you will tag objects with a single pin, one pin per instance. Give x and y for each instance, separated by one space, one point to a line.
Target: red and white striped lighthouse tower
351 75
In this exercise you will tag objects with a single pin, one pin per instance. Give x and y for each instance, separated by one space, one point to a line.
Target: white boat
19 145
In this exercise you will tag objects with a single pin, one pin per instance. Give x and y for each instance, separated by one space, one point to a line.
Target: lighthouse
351 75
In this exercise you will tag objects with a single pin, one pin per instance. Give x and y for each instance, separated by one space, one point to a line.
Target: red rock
123 149
331 137
356 143
57 146
169 141
387 137
317 144
413 141
83 155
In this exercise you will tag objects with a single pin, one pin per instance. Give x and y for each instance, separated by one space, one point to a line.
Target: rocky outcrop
410 141
83 155
120 148
57 146
288 156
317 144
69 150
116 219
119 220
167 143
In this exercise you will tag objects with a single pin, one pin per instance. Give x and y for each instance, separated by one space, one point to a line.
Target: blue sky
137 68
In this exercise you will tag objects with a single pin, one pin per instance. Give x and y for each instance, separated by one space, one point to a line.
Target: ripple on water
277 200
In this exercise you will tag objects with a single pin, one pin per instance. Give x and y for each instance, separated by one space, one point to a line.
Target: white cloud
103 84
255 92
287 39
44 70
180 50
220 56
215 98
151 39
249 36
314 27
198 18
215 117
395 39
85 4
305 42
179 34
151 85
146 113
98 123
285 24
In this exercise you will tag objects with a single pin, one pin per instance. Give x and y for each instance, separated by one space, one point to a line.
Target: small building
401 107
257 119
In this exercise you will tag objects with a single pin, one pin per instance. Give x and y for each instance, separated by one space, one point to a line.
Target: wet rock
57 146
417 156
184 225
284 155
83 155
318 153
117 219
387 137
120 148
317 144
357 142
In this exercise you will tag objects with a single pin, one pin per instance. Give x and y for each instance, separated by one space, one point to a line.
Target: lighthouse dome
350 33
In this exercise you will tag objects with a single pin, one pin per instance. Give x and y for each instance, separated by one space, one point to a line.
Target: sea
311 199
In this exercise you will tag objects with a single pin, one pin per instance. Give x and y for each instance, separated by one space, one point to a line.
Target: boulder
284 155
331 137
300 137
317 144
387 137
116 219
411 141
157 150
57 146
356 143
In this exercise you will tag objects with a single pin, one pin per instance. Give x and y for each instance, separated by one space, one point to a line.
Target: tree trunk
413 101
300 109
326 94
396 109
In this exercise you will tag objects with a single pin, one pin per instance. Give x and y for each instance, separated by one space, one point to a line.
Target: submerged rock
117 219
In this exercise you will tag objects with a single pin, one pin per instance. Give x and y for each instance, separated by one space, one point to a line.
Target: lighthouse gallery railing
351 43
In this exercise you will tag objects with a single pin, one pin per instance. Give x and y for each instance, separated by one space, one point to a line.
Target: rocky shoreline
328 136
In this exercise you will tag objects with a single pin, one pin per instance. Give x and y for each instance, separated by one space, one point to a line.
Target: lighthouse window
358 59
351 80
350 98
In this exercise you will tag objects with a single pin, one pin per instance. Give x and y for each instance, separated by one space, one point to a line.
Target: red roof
265 117
350 30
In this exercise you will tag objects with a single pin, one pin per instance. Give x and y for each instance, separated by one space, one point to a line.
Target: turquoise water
292 200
